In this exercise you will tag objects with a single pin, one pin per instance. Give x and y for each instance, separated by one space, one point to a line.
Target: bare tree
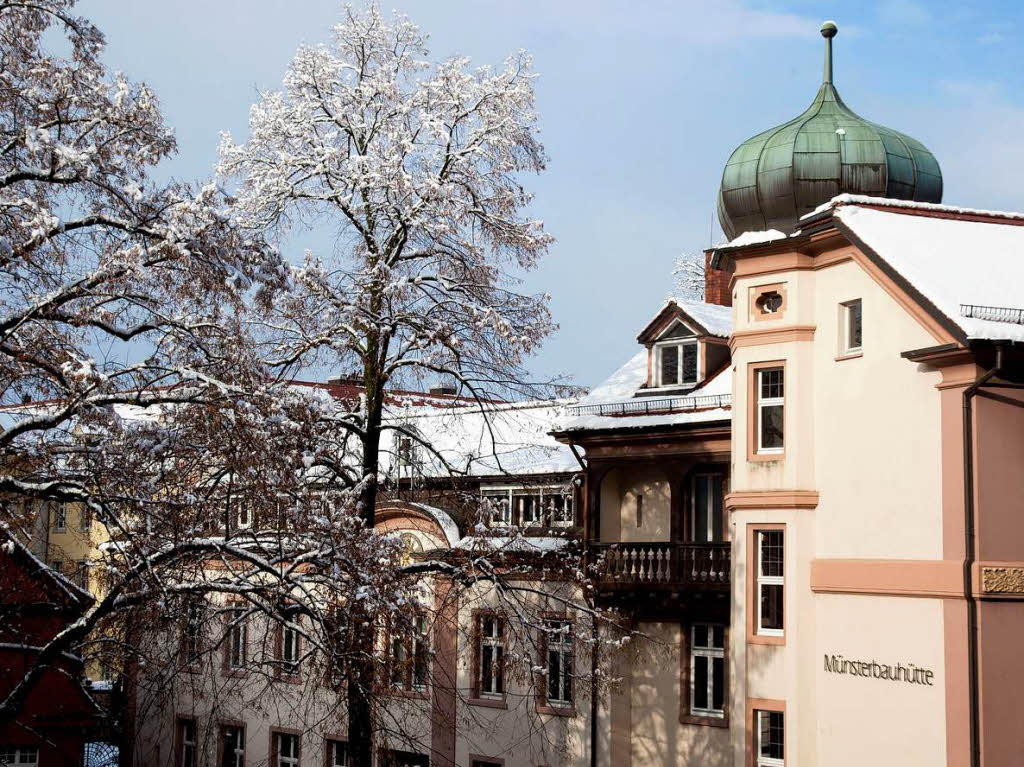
688 273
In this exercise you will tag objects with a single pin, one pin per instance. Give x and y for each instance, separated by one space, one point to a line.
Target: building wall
860 481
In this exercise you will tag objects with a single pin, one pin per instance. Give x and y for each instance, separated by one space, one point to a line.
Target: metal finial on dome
780 174
828 31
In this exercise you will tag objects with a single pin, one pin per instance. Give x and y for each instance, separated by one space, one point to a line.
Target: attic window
675 363
770 302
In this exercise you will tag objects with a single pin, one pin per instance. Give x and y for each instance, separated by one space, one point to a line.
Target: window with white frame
770 582
770 731
60 516
491 632
337 753
192 632
19 756
707 669
238 638
410 656
559 662
707 495
287 749
851 330
676 363
530 506
771 392
85 519
232 744
186 743
289 649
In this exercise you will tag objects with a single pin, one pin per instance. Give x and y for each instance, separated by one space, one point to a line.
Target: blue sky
640 105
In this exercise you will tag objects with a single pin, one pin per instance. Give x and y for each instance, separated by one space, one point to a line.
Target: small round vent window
769 303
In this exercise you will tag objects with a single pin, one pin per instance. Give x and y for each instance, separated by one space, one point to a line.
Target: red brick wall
716 283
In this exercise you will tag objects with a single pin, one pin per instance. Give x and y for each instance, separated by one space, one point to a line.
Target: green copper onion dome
777 176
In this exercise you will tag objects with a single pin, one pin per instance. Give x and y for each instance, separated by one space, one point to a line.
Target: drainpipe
593 695
969 558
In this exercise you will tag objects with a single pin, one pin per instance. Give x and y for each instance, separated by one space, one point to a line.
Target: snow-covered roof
717 320
613 404
958 259
444 521
951 262
517 544
13 547
511 438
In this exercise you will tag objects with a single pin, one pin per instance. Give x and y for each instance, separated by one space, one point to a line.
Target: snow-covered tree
418 167
688 273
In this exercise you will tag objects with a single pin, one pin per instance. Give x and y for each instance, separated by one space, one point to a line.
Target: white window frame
339 749
845 327
420 647
680 342
192 639
60 517
710 476
188 745
542 493
711 653
238 638
769 580
18 753
292 760
768 761
560 639
239 759
763 402
290 640
491 644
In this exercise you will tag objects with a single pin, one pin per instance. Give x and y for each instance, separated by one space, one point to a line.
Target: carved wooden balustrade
662 565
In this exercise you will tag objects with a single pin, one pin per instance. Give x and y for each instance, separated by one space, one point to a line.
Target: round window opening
769 303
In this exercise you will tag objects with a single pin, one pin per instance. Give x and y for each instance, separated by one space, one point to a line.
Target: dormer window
676 363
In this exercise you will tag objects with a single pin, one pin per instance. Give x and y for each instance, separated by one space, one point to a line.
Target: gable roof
963 266
705 319
54 585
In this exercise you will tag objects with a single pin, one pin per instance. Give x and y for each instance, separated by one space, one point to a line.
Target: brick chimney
716 283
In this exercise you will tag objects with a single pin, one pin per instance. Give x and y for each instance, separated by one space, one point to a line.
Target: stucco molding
742 500
1002 579
760 337
931 578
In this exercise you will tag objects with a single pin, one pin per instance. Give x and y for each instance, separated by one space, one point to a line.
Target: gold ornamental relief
1002 580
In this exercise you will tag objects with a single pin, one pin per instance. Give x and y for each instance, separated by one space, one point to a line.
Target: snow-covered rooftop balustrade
650 405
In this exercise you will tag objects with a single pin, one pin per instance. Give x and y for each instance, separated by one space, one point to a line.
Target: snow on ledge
888 202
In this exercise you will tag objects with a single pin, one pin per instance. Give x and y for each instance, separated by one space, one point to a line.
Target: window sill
488 702
234 673
410 694
850 355
556 710
766 639
767 456
705 721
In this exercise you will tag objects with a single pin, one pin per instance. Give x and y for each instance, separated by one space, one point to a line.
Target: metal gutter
969 558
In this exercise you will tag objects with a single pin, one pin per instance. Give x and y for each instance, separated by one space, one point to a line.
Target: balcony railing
662 564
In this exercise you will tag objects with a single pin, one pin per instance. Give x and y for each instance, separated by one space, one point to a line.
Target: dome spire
828 31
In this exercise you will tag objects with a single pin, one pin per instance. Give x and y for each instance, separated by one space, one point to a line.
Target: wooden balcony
662 566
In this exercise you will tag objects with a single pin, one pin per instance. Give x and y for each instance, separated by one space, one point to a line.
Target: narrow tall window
186 743
337 754
770 731
492 656
238 635
192 632
527 508
559 665
677 363
770 584
287 748
289 650
707 670
60 516
639 509
707 508
851 327
85 519
232 746
420 653
410 656
770 409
